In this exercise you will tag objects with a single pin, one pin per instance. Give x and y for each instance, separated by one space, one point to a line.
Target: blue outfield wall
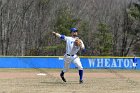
57 62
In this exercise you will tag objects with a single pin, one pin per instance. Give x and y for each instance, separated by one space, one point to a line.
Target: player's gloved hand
77 42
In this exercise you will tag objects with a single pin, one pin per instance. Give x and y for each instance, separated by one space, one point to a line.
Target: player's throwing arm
56 34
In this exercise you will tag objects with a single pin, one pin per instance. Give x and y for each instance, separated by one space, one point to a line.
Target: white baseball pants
68 59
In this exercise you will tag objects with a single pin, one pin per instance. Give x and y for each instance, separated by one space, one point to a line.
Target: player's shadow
59 82
52 82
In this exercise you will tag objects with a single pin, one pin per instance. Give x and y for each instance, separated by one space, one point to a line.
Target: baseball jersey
134 60
70 47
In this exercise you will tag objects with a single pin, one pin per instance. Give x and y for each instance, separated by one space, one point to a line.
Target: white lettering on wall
91 62
110 62
126 63
120 62
100 62
114 63
107 62
131 62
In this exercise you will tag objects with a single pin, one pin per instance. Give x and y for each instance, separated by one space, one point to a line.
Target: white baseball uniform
71 53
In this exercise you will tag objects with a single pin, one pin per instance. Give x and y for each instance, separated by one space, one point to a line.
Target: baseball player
134 62
71 52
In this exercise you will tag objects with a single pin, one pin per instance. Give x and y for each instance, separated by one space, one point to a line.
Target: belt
69 55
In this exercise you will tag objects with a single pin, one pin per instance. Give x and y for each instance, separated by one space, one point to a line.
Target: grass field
95 81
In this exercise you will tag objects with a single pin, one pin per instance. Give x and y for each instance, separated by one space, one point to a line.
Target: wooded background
107 27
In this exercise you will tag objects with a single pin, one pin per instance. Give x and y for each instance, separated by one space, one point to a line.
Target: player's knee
65 70
80 68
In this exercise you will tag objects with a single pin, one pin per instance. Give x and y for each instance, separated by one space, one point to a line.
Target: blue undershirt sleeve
84 50
62 37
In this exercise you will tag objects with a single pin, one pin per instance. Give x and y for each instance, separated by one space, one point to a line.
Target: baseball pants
68 59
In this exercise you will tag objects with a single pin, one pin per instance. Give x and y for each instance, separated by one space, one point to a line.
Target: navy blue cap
73 30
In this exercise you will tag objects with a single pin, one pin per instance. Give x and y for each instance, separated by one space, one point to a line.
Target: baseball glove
77 42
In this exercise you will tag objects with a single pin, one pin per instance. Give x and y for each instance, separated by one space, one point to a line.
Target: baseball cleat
62 77
81 81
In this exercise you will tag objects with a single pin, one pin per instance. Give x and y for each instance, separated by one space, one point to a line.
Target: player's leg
77 62
66 68
133 67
